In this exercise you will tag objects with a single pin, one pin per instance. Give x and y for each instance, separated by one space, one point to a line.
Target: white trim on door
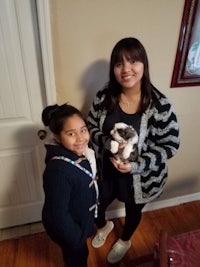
43 10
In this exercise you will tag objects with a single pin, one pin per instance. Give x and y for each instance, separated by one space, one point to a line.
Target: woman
131 98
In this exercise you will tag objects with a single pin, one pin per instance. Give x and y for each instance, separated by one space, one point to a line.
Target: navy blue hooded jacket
68 197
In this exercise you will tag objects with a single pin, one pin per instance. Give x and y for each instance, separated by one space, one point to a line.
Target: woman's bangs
132 54
118 57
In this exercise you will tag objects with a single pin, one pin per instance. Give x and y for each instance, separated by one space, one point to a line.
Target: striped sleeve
93 121
162 140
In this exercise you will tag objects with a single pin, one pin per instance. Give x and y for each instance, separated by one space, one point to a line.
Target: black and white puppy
124 143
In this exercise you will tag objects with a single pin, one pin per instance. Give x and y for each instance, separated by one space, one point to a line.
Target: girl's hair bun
48 114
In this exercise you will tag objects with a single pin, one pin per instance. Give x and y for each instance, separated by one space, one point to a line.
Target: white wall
84 33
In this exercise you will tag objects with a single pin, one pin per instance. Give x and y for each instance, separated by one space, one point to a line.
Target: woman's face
75 135
128 72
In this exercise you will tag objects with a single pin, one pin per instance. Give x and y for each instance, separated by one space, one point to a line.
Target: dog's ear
129 133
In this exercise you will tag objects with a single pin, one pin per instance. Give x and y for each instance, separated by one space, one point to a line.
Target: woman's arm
162 140
95 120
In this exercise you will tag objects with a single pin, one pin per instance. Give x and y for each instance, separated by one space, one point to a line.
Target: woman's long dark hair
132 48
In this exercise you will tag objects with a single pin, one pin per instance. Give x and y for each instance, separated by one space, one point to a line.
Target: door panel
22 98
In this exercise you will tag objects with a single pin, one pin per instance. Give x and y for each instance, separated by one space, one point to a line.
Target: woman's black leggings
133 213
118 185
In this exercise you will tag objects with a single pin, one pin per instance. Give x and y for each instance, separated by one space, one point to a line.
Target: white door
22 98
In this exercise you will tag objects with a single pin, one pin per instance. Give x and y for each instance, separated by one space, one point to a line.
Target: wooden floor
37 250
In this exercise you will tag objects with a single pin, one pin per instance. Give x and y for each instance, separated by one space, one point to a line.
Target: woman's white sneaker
118 251
100 237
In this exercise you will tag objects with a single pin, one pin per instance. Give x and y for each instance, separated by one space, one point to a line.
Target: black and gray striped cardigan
158 142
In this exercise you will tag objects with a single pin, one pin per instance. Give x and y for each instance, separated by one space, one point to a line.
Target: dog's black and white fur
124 143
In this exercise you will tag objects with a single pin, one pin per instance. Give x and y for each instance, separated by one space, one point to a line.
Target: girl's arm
57 208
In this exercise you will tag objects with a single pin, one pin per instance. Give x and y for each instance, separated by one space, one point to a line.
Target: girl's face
75 135
128 72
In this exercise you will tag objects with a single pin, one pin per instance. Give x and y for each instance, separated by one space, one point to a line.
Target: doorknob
42 134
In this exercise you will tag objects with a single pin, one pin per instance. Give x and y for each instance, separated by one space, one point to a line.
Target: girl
130 97
69 184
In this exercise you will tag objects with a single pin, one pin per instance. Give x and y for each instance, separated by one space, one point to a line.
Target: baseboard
159 204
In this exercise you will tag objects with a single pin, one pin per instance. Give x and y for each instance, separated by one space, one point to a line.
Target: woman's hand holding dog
121 167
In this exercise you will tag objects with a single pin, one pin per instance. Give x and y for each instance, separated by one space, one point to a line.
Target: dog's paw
126 155
114 146
127 152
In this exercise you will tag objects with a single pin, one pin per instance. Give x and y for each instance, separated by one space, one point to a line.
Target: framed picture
187 63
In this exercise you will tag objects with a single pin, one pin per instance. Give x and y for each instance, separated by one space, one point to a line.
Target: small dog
124 143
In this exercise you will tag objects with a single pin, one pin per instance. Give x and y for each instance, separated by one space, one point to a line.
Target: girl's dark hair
130 47
54 116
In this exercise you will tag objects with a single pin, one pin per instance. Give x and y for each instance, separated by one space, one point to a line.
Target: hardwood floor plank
37 250
8 253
